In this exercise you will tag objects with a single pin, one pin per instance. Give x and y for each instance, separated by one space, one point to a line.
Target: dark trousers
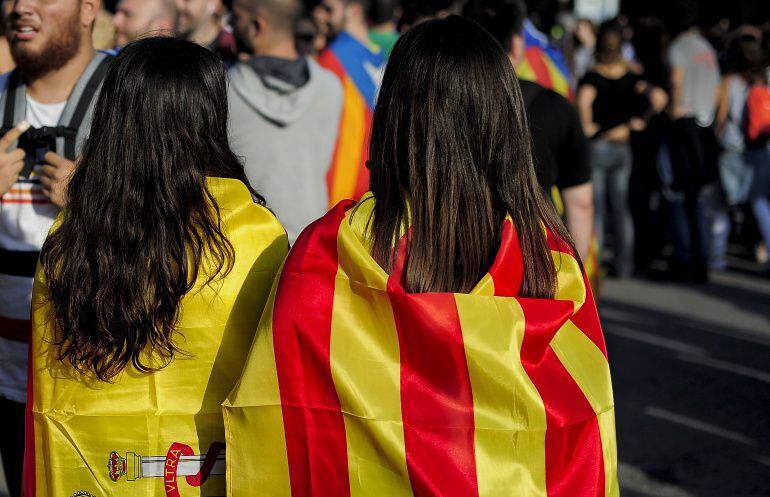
12 443
694 153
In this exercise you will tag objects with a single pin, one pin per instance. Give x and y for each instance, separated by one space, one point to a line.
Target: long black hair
451 151
140 222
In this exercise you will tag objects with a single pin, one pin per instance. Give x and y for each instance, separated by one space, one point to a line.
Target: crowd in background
661 100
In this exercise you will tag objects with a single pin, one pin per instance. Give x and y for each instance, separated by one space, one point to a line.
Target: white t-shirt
26 215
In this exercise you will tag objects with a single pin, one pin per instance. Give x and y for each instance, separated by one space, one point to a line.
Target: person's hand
591 130
55 176
637 124
11 163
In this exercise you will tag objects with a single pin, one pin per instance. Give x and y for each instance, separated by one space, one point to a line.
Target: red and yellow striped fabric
354 387
348 176
537 66
359 69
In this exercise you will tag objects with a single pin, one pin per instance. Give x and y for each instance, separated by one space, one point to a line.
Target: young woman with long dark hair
613 102
150 287
438 338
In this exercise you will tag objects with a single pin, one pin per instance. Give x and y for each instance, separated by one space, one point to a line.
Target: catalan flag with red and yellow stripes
355 387
359 69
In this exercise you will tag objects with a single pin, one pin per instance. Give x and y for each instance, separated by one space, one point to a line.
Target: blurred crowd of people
674 175
676 111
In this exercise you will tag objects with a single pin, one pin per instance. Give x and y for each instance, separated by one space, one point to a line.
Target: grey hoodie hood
286 134
275 99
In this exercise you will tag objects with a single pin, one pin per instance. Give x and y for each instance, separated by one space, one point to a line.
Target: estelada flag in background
543 63
359 69
354 387
158 434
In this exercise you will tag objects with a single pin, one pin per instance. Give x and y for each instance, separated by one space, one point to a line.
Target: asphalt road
691 370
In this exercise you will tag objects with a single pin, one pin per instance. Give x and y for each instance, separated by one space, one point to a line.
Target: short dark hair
283 15
683 15
502 18
609 42
382 11
415 11
744 56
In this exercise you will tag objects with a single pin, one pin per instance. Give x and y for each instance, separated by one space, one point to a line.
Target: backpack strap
69 132
9 120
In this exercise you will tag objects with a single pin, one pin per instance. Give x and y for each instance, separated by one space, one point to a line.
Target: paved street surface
691 369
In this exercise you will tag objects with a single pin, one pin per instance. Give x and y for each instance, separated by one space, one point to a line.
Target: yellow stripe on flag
590 370
570 285
509 414
485 286
351 143
257 465
559 82
365 365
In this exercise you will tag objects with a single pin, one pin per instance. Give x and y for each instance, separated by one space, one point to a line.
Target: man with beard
49 98
199 21
359 66
136 18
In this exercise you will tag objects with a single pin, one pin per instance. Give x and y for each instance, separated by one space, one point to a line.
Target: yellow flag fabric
150 435
355 387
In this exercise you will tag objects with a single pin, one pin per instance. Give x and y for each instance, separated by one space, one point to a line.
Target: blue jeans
760 190
736 173
610 175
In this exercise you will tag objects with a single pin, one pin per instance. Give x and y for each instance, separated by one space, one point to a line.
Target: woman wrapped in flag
149 289
438 338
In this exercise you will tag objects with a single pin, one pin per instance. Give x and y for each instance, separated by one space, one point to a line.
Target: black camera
36 142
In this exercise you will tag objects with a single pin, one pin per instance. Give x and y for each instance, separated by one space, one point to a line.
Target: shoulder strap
83 104
10 99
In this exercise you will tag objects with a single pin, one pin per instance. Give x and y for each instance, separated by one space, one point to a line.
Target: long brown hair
140 223
451 150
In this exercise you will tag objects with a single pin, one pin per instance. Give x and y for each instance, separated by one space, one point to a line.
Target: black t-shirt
616 99
561 148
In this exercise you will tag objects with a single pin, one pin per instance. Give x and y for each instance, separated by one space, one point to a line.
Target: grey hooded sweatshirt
285 130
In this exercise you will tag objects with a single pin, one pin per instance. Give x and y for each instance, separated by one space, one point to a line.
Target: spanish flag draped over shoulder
157 434
354 387
359 69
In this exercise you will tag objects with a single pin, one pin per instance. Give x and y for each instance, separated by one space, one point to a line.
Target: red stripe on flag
587 319
362 181
535 56
507 271
329 61
436 396
29 472
574 464
332 172
315 430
